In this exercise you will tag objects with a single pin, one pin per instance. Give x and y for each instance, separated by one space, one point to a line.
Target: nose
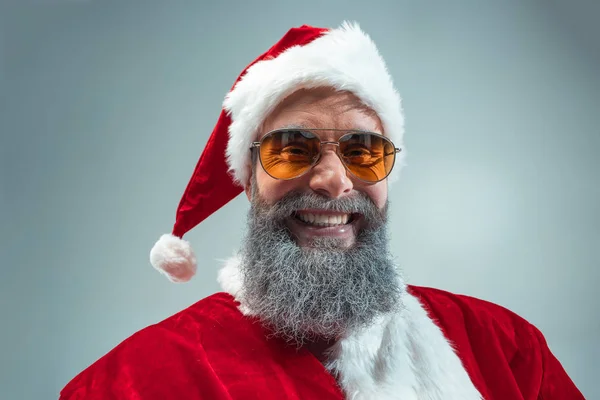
329 177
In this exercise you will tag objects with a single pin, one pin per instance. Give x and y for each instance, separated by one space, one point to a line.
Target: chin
325 242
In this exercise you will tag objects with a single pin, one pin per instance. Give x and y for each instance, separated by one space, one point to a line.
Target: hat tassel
174 258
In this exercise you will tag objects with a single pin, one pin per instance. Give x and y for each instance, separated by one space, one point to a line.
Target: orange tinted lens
288 154
370 157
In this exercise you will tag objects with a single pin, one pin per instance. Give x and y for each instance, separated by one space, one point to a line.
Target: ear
248 190
251 178
248 187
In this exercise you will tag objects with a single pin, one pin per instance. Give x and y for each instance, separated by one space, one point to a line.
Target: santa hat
306 57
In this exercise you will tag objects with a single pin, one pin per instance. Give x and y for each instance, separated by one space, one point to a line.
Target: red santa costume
439 346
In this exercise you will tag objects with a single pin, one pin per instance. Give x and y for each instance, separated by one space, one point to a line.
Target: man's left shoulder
500 349
454 312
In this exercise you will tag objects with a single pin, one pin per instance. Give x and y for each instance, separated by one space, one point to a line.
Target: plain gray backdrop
106 107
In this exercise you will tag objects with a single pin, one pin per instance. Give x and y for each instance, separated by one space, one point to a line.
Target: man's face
322 108
309 282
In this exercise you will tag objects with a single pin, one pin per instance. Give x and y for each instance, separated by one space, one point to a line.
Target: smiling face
322 108
315 262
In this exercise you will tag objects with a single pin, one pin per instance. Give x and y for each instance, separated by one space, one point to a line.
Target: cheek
378 193
271 190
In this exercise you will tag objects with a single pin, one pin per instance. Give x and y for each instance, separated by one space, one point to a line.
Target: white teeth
324 220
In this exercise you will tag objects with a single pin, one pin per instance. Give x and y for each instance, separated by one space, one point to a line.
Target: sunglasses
290 153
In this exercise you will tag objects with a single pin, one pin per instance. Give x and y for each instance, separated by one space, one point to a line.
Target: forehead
323 108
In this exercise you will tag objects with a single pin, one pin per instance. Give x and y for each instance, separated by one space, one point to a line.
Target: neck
319 348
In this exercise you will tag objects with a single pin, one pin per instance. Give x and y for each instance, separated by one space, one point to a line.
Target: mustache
357 203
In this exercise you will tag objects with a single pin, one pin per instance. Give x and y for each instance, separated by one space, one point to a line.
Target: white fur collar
402 356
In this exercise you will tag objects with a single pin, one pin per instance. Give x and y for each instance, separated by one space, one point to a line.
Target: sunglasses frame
256 145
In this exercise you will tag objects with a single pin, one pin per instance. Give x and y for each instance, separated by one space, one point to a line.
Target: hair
323 291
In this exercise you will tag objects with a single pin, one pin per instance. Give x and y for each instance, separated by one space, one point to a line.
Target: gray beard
320 292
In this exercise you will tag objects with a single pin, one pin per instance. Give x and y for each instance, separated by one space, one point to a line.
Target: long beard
320 292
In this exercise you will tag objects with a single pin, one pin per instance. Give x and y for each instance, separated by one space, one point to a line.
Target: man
313 305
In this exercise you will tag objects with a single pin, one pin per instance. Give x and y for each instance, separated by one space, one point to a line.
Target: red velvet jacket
211 351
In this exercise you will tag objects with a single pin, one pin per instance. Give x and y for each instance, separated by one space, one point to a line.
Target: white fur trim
230 279
344 58
402 356
174 258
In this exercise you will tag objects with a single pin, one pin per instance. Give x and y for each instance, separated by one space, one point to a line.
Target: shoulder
500 349
213 313
158 350
443 304
214 310
479 326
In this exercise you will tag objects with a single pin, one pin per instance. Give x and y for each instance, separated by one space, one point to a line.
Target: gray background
106 107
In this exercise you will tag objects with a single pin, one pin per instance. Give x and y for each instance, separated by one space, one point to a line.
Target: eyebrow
295 126
303 126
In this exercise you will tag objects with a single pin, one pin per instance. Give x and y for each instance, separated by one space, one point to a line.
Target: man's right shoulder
168 351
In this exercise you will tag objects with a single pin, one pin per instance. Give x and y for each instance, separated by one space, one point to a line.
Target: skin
322 108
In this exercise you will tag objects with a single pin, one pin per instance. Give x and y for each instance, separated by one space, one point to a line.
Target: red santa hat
306 57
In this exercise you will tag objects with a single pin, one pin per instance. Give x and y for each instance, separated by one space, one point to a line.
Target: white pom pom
173 257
